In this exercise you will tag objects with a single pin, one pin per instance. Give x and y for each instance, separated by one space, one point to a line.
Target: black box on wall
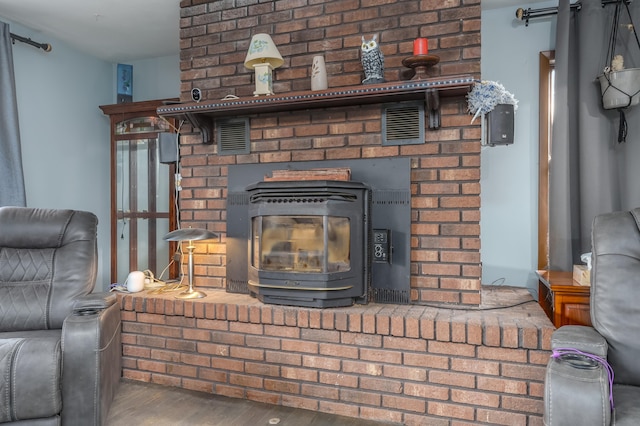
500 125
168 147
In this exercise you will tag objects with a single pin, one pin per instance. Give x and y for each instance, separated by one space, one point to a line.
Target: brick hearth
414 365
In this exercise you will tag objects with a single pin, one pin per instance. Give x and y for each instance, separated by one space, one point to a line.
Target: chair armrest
93 302
582 338
91 361
576 388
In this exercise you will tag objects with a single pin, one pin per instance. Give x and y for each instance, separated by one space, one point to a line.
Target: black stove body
309 243
277 233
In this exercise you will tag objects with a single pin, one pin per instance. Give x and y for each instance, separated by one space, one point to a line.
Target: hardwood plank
146 404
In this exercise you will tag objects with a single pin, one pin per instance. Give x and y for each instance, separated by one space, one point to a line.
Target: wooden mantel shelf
201 114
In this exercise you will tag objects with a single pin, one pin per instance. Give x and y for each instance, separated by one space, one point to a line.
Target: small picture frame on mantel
124 83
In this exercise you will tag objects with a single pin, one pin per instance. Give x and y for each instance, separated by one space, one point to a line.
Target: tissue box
581 275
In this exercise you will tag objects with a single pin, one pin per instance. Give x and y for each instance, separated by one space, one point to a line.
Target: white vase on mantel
319 74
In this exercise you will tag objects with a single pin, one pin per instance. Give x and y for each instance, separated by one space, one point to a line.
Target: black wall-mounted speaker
168 147
500 124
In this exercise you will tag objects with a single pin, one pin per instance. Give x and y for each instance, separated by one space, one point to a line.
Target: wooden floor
143 404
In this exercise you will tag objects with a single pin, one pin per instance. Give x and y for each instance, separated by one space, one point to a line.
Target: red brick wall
404 364
445 176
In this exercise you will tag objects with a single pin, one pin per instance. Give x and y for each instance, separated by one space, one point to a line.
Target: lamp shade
262 50
189 234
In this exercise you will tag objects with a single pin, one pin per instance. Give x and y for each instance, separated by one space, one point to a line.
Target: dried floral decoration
485 95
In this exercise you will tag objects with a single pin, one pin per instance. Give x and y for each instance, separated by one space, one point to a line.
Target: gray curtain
11 176
586 167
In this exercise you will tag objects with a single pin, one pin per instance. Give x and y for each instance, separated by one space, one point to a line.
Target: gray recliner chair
593 376
60 351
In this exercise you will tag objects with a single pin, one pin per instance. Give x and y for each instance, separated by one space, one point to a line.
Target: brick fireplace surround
450 357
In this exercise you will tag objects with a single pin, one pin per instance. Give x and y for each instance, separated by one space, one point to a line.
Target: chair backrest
615 290
47 259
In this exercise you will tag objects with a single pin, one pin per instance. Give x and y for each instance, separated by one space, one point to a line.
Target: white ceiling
122 30
113 30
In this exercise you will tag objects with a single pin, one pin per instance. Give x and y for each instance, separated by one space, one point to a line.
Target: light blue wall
155 78
509 174
65 136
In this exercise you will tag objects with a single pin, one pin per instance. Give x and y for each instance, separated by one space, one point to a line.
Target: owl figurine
372 61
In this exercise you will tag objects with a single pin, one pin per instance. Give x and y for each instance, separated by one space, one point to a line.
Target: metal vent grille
294 195
389 295
391 197
233 136
237 286
403 123
238 199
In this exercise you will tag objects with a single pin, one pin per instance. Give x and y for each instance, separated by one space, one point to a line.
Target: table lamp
191 235
263 57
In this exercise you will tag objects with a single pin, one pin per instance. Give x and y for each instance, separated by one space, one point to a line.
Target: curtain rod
526 14
44 46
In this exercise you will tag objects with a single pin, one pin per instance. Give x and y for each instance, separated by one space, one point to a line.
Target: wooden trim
113 195
133 206
134 109
334 97
544 148
153 207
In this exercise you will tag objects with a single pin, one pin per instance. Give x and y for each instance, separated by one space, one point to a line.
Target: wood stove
309 242
380 187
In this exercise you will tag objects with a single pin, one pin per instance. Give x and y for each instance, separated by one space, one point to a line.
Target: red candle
420 46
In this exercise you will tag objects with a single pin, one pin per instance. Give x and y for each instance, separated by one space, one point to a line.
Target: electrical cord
471 309
179 253
496 282
176 199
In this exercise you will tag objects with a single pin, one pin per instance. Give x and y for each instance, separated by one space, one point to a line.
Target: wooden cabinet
142 190
564 300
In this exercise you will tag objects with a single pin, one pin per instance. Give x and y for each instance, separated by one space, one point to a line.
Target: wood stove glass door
303 244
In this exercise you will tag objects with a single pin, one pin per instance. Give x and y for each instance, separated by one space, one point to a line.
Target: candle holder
420 64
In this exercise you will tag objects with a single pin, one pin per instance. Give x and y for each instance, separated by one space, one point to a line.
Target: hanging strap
613 36
622 127
626 5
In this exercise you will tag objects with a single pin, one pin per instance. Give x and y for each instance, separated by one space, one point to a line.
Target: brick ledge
524 325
